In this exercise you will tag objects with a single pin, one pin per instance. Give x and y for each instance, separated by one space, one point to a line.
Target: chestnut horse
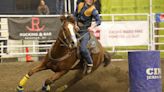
64 56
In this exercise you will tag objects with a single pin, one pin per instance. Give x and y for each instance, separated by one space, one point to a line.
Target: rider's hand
90 28
77 28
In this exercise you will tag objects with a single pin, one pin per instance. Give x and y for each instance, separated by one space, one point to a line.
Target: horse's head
69 31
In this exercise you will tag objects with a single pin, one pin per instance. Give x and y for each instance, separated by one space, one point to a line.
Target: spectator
43 8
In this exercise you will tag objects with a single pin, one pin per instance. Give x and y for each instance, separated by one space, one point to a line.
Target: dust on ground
113 78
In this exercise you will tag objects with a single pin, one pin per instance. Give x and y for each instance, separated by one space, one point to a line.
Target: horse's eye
64 28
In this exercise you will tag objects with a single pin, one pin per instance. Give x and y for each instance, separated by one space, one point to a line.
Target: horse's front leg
28 75
49 81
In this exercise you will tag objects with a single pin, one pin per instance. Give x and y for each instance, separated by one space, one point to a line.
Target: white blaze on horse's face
72 32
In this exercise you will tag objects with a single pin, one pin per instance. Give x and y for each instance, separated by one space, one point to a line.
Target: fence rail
16 48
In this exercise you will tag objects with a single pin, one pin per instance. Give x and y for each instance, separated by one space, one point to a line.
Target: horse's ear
62 18
71 19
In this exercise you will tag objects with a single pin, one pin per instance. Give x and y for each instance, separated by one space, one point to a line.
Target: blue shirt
87 20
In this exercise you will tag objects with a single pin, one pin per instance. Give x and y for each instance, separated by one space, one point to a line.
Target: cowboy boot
89 68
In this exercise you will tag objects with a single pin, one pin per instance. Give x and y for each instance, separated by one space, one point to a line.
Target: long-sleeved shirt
43 10
86 20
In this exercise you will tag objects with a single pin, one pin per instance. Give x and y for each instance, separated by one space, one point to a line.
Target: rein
65 44
61 58
65 38
67 55
81 36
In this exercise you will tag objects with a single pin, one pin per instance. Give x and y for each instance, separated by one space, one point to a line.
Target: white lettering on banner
124 33
35 35
28 34
153 73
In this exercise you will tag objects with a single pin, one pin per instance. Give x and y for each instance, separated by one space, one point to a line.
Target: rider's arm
39 10
96 16
47 10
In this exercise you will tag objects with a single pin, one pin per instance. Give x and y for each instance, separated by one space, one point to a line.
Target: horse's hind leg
49 81
78 76
27 76
107 59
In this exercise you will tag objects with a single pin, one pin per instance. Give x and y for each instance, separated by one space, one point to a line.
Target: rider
84 13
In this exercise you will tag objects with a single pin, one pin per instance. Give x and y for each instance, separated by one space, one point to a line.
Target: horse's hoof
20 89
46 88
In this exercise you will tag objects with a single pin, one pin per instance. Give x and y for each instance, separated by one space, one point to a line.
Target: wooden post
157 25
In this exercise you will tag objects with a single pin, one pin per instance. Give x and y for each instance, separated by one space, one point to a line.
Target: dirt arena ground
113 78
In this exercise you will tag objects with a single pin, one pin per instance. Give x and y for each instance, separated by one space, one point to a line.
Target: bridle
65 41
68 43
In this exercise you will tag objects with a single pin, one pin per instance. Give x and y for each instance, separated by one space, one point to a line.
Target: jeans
83 47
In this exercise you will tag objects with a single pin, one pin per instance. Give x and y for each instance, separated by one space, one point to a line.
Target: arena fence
17 48
158 33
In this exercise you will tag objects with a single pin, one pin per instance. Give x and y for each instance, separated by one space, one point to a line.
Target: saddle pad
93 45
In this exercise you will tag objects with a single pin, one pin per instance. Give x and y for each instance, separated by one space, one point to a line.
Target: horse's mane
69 18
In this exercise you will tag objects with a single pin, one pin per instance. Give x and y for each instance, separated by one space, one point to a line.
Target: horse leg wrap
20 89
46 88
24 80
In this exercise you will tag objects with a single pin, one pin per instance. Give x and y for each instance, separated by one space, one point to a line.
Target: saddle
93 44
93 48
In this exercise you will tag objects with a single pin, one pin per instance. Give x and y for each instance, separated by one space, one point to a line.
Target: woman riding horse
63 57
83 15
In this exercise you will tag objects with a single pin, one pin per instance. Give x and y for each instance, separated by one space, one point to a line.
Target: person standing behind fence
43 8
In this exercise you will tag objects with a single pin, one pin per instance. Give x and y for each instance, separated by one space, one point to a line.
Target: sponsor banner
159 17
33 28
123 33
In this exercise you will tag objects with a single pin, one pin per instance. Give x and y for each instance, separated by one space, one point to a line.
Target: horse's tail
107 58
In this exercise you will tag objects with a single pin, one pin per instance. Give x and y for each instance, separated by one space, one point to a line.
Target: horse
64 56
